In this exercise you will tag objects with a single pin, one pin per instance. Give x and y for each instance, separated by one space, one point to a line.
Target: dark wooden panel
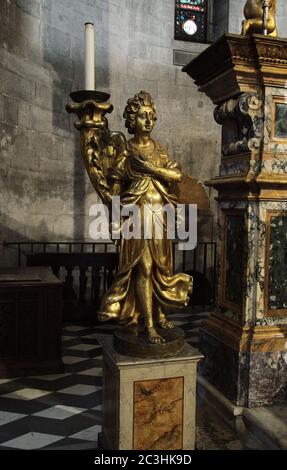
30 323
8 322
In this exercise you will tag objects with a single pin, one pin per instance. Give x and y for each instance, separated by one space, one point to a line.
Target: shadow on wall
63 50
9 255
39 233
44 45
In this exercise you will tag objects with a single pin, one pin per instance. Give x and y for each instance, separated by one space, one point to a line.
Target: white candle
89 57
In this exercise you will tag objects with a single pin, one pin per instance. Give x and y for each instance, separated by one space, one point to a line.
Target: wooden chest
30 322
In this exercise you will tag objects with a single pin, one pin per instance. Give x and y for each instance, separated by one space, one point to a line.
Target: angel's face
145 120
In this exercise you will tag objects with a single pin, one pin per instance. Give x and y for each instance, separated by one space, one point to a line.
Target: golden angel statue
141 172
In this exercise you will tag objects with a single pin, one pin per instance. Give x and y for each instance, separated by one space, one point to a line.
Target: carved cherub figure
253 12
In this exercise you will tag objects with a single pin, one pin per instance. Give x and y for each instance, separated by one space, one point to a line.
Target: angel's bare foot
154 337
165 323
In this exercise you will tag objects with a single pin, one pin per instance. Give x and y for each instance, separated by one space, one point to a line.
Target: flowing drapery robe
169 290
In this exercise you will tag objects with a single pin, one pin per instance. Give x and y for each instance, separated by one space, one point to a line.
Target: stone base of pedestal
269 425
261 428
148 404
211 397
247 365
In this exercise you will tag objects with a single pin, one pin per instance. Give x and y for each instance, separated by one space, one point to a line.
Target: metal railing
58 247
87 269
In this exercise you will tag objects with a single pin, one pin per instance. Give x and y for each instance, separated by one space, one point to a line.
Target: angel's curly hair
133 105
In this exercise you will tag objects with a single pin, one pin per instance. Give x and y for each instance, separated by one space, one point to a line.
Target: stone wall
45 193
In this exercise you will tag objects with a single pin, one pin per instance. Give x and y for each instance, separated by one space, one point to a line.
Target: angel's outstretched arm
168 175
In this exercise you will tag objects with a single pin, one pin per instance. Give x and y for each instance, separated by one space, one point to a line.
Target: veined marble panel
255 265
256 287
158 414
274 131
277 278
264 321
234 258
280 124
254 290
267 292
267 378
234 168
228 206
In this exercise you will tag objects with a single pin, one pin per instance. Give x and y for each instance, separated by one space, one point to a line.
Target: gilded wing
102 148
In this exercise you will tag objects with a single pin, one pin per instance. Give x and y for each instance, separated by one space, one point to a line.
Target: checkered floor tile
64 411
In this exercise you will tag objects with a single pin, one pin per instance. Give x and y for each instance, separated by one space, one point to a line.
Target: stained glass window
191 20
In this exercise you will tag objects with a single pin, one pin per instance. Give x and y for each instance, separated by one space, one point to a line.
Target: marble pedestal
148 404
247 364
245 341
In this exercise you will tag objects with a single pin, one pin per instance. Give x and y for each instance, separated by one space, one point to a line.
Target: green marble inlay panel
281 120
278 263
235 256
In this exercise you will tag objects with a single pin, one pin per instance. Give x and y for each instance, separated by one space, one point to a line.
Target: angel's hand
148 166
140 163
173 165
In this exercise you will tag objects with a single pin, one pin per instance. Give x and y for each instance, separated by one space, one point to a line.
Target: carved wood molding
242 63
269 338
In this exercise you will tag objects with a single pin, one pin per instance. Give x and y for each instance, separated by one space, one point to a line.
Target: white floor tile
89 434
73 359
50 377
32 440
94 371
91 336
98 356
5 381
98 407
27 394
84 347
74 328
8 417
59 412
80 389
197 323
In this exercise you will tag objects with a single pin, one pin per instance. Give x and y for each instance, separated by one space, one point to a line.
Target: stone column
245 340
